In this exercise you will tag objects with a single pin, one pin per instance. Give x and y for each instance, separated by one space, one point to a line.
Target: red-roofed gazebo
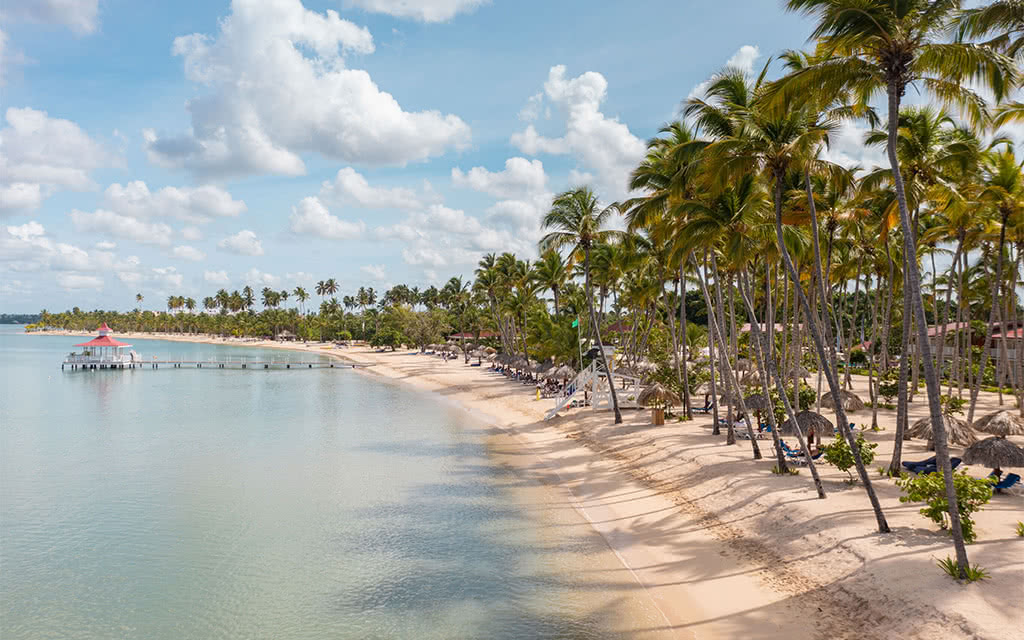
103 350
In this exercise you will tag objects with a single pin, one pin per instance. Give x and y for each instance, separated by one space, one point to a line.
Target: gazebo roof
103 341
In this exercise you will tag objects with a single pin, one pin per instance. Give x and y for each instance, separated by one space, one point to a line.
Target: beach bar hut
102 352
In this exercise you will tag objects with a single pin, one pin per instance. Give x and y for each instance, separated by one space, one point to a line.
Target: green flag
575 323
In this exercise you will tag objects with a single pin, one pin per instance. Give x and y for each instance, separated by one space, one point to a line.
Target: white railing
77 358
594 381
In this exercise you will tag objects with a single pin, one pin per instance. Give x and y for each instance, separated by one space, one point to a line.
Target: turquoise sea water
264 504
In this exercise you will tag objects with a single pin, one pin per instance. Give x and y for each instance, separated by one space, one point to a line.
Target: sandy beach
725 548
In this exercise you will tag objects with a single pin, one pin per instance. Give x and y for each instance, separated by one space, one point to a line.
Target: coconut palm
301 296
870 46
550 274
775 140
577 220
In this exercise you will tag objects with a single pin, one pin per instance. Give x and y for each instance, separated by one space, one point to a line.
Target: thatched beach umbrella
958 430
809 421
742 364
657 397
994 452
751 379
564 372
703 388
798 372
757 402
1000 423
490 350
849 400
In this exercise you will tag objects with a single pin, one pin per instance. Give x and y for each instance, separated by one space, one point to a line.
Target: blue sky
176 148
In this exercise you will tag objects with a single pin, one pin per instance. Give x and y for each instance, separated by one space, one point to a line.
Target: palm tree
248 297
577 219
190 304
330 287
776 140
139 298
550 274
870 46
301 296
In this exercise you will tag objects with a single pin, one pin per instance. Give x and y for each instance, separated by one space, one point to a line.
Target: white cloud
72 281
78 15
191 204
9 57
278 86
110 223
166 278
217 277
243 243
742 60
375 271
40 155
105 245
532 110
192 234
186 252
846 147
27 247
350 187
601 144
258 278
422 10
311 217
520 176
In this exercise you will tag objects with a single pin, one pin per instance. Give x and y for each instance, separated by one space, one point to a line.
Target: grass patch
1020 529
951 568
789 471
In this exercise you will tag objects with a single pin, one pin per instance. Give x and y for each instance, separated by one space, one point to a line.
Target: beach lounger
1007 482
911 466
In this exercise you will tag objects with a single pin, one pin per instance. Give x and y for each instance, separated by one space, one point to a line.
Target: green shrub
971 494
952 405
790 470
839 454
973 574
1020 529
889 385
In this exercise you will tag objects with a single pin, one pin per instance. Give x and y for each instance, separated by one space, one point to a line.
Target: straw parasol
1000 423
658 395
742 364
751 379
757 402
798 372
564 372
703 388
808 420
849 400
490 350
994 452
958 430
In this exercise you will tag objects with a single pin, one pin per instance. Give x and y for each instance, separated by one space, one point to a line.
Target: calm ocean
320 503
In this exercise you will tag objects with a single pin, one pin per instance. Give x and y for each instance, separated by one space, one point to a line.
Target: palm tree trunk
816 338
769 369
895 466
723 349
912 279
993 314
954 269
872 364
730 378
597 335
685 347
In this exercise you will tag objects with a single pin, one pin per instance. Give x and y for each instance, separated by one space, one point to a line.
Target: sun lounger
911 466
1007 482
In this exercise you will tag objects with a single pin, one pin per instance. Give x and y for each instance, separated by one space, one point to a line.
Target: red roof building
103 339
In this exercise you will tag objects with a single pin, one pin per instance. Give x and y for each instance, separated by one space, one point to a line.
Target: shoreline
722 546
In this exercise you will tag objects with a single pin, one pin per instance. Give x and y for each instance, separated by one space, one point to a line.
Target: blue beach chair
1007 482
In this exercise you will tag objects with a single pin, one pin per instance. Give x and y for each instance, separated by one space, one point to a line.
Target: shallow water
184 503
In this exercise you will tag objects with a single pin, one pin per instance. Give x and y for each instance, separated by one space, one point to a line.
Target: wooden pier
230 363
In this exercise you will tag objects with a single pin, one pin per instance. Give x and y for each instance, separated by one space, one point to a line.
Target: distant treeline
19 318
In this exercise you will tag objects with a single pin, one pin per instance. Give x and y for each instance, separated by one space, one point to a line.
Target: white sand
725 548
